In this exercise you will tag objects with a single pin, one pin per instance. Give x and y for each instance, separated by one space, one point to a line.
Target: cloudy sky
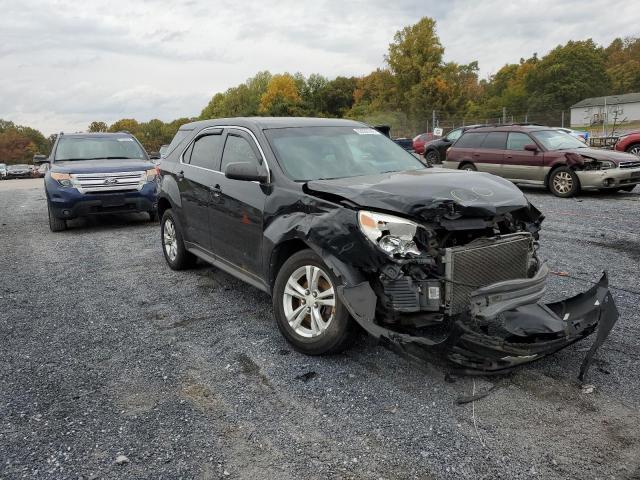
66 63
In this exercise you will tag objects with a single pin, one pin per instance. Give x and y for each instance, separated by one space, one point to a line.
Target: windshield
92 148
20 166
556 140
321 153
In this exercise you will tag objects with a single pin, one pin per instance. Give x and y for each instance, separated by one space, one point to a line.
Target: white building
618 108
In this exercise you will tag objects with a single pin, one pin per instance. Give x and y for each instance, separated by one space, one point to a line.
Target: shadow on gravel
108 222
585 194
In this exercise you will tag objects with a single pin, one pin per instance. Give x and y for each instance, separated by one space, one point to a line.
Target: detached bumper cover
505 326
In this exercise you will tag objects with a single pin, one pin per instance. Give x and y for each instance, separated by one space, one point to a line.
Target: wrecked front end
463 285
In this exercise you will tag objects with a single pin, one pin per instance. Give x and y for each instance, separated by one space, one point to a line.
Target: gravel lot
104 351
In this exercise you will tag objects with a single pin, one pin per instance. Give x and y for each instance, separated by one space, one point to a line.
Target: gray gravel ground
104 351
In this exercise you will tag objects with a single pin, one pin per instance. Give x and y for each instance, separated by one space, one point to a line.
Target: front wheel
307 308
635 149
564 182
56 224
469 167
432 157
176 255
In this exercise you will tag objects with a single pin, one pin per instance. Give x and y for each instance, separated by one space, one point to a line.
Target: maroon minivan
538 155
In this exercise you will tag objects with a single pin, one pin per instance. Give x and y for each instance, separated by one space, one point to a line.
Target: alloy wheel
169 239
309 301
635 150
562 182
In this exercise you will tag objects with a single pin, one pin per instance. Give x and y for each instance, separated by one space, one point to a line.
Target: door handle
476 154
180 175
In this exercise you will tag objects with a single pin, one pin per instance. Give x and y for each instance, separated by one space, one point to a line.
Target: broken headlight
393 235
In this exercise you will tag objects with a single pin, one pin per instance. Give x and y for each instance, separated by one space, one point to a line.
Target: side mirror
154 156
531 148
40 159
247 171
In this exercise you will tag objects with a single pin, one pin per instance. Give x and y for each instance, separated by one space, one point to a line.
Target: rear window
495 140
471 140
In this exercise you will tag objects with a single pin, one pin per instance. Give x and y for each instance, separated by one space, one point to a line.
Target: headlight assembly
64 179
606 165
393 235
151 174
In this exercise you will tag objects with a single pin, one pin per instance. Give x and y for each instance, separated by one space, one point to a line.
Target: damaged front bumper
505 325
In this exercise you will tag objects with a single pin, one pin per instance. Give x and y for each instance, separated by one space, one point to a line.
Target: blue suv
98 173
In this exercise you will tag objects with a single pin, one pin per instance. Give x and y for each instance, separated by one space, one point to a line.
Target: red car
629 143
419 142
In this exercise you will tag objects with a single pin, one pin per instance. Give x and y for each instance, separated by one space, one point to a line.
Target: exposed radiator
482 263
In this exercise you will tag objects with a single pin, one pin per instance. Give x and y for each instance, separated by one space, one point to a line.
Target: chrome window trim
236 127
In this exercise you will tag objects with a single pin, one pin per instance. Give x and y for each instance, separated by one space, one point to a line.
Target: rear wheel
308 311
469 167
56 224
173 248
635 149
564 182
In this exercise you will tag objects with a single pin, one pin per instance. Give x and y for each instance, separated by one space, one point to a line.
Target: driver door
237 207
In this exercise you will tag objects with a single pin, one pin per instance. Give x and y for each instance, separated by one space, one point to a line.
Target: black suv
435 151
337 223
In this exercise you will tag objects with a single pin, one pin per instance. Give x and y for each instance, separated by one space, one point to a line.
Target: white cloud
66 63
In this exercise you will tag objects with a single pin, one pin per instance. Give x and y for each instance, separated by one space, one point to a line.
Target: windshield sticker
366 131
125 139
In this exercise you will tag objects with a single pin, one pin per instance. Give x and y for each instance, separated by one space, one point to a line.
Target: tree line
416 85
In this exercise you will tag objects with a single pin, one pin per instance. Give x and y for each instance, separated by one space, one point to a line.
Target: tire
177 257
564 183
334 330
469 167
432 157
634 149
55 224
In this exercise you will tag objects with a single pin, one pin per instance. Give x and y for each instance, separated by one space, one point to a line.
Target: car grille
483 263
631 164
108 182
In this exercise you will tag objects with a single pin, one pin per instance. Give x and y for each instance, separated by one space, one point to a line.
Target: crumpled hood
600 154
101 166
418 193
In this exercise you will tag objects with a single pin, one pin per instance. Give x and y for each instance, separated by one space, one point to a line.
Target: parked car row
536 155
8 172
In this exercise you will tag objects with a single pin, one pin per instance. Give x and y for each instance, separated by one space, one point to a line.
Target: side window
517 141
205 151
470 140
495 140
237 149
454 135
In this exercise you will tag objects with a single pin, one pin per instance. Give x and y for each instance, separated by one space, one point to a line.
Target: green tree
282 97
98 127
126 125
623 65
415 59
338 95
568 74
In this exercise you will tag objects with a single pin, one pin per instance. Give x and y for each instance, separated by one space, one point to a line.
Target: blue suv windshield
317 153
93 148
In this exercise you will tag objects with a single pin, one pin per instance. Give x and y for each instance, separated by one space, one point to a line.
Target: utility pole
604 118
433 118
504 115
562 120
